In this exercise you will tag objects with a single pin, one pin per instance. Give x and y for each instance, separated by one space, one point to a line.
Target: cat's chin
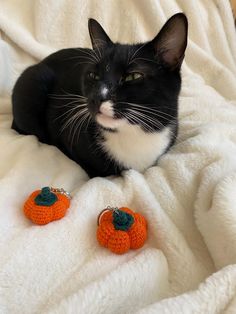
108 122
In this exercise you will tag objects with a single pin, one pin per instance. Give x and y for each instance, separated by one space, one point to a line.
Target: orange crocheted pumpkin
121 229
44 206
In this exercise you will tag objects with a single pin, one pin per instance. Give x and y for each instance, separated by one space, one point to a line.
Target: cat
110 108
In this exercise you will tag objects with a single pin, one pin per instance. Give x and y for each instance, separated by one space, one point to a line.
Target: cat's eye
93 76
133 76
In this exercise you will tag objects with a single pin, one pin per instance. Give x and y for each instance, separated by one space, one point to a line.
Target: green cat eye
93 76
133 76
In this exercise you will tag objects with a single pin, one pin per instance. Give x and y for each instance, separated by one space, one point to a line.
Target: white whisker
149 109
78 127
154 122
76 95
71 110
148 119
157 113
66 94
73 118
145 105
139 120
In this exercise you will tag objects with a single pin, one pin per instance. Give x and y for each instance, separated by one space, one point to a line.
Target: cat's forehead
122 58
117 53
118 56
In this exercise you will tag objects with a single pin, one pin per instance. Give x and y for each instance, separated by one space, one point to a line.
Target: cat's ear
171 41
98 36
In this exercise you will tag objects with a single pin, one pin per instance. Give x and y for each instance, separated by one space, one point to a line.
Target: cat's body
111 108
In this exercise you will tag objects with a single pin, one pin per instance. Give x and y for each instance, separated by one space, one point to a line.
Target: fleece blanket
188 264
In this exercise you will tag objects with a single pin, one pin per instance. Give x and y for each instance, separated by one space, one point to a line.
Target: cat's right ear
171 41
98 36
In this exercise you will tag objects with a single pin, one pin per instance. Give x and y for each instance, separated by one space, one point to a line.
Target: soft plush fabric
188 264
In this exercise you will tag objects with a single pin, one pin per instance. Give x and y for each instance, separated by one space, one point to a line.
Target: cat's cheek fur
125 149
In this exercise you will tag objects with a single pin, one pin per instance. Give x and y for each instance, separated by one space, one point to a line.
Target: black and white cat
109 108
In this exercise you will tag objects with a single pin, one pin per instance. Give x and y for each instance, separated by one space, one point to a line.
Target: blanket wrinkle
188 264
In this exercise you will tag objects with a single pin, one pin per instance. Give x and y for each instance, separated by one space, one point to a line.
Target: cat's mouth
108 122
106 116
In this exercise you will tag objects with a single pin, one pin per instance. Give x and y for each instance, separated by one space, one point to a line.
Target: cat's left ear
170 43
98 36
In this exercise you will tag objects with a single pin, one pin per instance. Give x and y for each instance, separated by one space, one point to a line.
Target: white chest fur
134 148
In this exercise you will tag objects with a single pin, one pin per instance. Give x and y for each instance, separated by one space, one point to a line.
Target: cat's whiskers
152 110
149 109
86 118
70 123
173 123
79 110
126 116
157 113
83 106
76 120
78 126
61 97
149 119
76 95
145 120
132 117
74 115
73 99
155 123
89 120
67 95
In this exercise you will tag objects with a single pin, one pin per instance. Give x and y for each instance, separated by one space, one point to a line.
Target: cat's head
136 84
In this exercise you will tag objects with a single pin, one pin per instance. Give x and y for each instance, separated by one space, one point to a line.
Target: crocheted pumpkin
121 229
44 206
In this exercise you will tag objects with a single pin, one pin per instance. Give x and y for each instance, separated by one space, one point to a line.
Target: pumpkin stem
46 197
122 220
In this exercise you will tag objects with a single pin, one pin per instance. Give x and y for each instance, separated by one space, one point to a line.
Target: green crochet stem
46 197
122 220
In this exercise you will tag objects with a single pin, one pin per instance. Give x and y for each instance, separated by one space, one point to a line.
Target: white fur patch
106 114
107 108
134 148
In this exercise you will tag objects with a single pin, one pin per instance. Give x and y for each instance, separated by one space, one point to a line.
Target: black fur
45 92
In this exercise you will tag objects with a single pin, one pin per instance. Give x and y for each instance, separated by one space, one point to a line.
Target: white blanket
188 264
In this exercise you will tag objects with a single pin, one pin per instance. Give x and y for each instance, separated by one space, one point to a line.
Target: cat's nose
104 93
